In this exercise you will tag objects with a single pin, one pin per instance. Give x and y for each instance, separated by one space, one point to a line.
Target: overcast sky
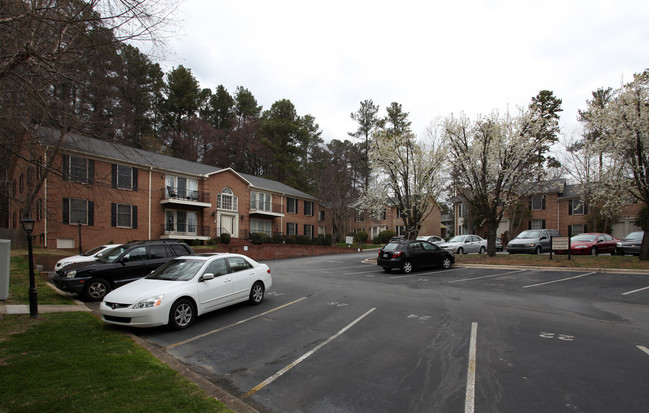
433 57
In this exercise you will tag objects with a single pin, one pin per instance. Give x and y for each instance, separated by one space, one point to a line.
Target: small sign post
560 244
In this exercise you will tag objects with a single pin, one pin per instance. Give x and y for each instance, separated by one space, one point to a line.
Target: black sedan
408 255
630 244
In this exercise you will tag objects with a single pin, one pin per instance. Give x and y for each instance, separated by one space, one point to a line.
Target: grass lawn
626 262
74 362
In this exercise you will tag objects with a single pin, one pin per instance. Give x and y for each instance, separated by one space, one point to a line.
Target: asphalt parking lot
338 335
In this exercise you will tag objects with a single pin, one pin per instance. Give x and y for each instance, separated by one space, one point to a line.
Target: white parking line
304 357
469 401
558 281
234 324
425 273
487 276
643 348
635 291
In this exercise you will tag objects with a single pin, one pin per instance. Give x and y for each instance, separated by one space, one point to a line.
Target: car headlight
149 302
581 247
619 244
71 274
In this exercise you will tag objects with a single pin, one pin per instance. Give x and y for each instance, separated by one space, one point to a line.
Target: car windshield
584 238
111 255
459 238
529 235
634 236
393 246
182 269
93 251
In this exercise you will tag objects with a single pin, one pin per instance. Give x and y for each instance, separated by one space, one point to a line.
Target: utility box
5 252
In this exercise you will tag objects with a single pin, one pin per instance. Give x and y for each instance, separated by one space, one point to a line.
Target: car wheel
446 263
96 289
613 251
460 250
387 269
538 250
593 251
406 267
182 314
482 250
256 293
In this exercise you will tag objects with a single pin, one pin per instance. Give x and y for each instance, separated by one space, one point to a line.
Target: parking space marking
189 340
425 273
560 280
635 291
360 272
469 401
643 348
486 276
304 356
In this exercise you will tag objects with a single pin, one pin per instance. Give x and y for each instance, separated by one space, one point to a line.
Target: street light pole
28 226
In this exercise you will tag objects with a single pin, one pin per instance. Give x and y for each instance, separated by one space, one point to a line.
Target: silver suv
532 241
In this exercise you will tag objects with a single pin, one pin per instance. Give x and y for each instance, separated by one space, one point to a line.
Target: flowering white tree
622 125
494 161
406 174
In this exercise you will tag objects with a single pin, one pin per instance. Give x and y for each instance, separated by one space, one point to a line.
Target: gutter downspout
45 215
150 180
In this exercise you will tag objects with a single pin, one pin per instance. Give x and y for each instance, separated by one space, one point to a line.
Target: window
308 208
238 264
182 188
123 216
461 213
577 207
537 203
308 230
159 251
21 183
359 216
537 224
78 169
227 201
136 254
321 216
260 201
75 210
261 225
577 229
291 205
217 267
124 177
291 228
181 222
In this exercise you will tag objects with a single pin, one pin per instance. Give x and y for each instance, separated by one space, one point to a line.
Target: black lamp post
80 248
28 226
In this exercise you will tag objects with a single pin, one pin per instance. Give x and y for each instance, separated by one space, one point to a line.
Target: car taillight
268 271
394 255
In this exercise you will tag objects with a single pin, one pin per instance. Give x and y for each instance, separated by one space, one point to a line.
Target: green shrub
258 238
385 236
225 238
278 239
211 241
360 237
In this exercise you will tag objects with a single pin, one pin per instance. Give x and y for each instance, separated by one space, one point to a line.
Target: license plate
386 255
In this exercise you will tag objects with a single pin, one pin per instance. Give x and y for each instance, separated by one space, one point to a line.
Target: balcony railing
265 207
187 230
182 194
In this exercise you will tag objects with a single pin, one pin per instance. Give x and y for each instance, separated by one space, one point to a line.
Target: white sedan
89 255
186 287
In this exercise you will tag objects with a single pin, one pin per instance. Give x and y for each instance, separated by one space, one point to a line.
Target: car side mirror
207 276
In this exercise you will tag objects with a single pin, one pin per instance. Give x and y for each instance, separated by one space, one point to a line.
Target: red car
592 243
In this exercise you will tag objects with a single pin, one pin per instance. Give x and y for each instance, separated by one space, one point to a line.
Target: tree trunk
644 250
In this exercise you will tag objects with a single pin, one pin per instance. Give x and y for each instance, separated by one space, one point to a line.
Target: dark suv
408 255
117 267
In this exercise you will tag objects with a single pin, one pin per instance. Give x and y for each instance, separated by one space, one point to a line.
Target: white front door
229 224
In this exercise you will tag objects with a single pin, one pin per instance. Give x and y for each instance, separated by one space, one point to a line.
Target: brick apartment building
114 193
390 219
554 205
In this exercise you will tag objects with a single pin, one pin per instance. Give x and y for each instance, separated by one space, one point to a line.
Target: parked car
409 255
499 244
87 256
463 244
117 267
630 244
433 239
591 243
532 241
186 287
